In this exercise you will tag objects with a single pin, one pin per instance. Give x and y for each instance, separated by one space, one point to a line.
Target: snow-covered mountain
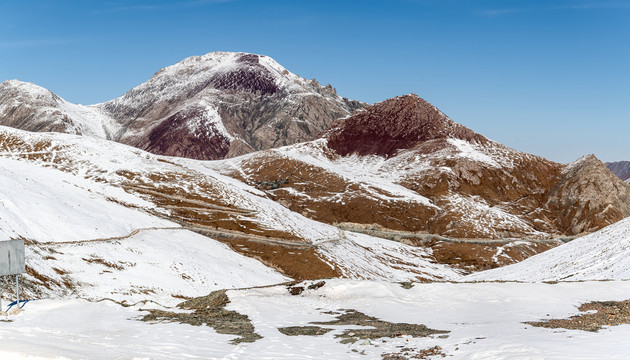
603 255
103 219
213 106
403 165
29 107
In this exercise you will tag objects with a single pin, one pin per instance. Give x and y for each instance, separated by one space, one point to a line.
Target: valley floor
481 321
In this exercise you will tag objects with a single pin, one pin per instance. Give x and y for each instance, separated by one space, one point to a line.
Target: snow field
485 321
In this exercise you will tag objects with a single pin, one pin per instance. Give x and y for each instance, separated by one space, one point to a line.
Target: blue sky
547 77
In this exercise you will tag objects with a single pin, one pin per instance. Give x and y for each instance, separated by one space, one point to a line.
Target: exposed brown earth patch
111 265
328 197
479 256
295 289
304 330
375 328
202 205
210 310
412 353
297 263
607 313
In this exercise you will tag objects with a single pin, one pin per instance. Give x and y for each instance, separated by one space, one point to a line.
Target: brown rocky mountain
589 196
397 124
205 107
621 169
402 165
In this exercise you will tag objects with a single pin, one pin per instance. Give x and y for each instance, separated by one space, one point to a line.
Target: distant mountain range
621 169
204 107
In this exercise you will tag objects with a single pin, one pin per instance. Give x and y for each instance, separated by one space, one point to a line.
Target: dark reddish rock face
174 137
620 168
399 123
251 77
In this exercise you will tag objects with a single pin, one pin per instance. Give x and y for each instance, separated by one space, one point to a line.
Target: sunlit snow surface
47 205
485 321
599 256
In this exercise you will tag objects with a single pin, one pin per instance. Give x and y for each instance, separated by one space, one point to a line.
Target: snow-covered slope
30 107
162 265
603 255
103 219
94 240
43 204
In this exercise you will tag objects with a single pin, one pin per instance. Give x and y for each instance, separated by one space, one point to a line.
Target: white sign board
12 257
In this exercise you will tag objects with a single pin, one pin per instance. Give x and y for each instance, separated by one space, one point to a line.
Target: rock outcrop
588 197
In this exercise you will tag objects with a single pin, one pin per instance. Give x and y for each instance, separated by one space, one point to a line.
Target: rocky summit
208 107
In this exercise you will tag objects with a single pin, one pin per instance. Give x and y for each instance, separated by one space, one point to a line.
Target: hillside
403 165
206 107
603 255
102 219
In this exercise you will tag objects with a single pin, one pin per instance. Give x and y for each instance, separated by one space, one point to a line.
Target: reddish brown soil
325 190
297 263
479 256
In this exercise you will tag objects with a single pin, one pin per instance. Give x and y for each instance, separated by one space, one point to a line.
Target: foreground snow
599 256
485 321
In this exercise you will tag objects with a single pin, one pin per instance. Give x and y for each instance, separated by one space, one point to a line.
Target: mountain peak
229 71
21 88
586 161
395 124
